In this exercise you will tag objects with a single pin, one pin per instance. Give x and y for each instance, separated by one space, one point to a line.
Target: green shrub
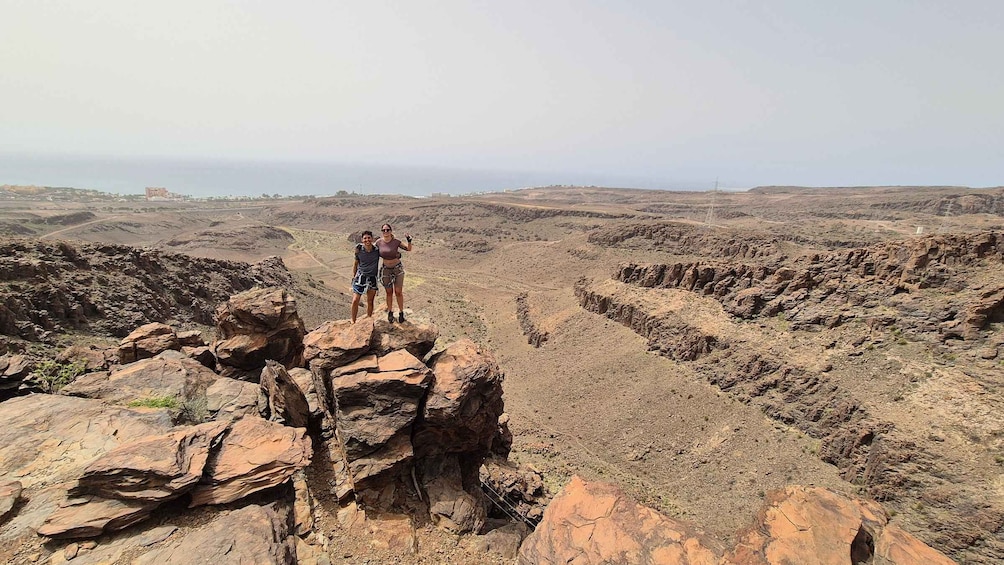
52 375
156 402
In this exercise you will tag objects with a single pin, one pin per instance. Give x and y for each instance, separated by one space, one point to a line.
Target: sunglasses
381 229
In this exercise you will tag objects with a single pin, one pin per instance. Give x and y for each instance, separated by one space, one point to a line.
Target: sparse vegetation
156 402
52 375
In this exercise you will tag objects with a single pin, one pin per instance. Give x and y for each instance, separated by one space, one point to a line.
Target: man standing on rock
364 274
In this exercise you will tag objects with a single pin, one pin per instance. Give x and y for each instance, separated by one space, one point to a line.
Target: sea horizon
222 177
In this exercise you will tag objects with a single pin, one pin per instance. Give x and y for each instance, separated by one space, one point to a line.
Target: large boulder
155 468
47 440
816 525
257 325
255 455
592 522
377 400
233 399
147 341
335 343
418 338
461 413
170 374
13 370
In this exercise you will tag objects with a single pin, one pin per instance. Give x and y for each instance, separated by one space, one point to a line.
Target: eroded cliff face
800 339
49 287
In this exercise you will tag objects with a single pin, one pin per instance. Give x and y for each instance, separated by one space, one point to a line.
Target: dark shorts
392 276
364 283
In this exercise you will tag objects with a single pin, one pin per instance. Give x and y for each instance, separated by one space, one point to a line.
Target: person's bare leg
399 292
390 304
370 296
355 305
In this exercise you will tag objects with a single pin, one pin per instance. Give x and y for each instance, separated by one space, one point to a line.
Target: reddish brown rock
147 341
286 403
191 338
418 338
10 491
252 534
597 523
257 325
91 516
169 374
816 525
256 454
155 468
375 409
13 370
230 398
92 357
335 343
305 382
463 407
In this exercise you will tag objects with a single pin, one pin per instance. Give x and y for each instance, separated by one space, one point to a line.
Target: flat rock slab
113 549
231 398
169 374
253 534
255 454
335 343
91 516
415 337
47 439
154 468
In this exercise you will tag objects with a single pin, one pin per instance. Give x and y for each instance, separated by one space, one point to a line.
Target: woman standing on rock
392 270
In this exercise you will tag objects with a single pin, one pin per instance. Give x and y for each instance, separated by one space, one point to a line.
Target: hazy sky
759 92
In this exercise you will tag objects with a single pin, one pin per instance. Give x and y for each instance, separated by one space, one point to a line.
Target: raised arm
409 245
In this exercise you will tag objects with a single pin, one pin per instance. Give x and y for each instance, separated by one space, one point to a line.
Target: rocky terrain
701 351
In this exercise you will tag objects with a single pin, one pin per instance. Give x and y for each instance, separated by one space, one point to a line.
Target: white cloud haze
773 92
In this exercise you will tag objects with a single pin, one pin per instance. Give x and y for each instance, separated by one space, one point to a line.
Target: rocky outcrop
254 326
864 446
50 286
688 239
169 375
147 341
10 492
597 523
376 403
816 525
215 462
534 335
254 455
400 424
252 534
153 469
286 402
828 289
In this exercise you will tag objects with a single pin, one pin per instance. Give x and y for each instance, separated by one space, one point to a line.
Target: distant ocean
205 177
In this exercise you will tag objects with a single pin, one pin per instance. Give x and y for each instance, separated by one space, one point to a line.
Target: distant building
157 192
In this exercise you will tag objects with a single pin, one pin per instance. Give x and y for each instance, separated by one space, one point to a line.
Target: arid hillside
698 349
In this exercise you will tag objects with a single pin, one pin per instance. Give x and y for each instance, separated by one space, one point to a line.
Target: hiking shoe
390 317
400 316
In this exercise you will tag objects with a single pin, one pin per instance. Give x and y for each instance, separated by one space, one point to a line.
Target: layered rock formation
597 523
48 286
